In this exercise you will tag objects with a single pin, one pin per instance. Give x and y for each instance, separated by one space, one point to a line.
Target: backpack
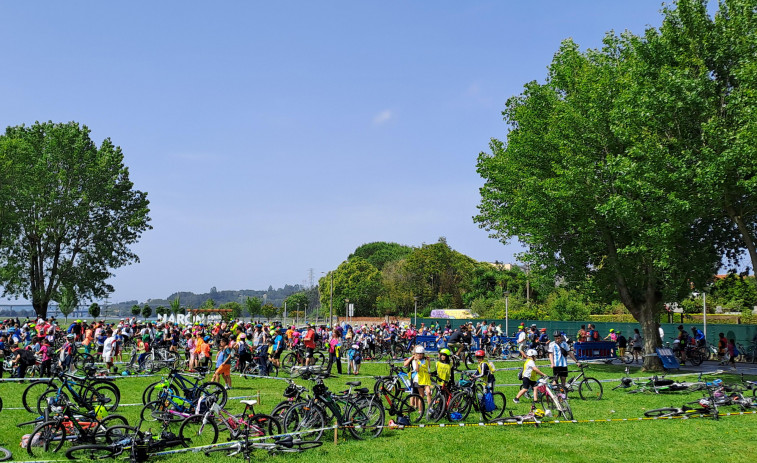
243 348
488 402
316 337
27 357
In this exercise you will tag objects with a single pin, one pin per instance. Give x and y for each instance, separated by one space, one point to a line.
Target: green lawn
695 439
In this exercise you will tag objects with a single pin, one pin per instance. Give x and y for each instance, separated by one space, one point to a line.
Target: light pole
416 311
347 309
507 314
331 299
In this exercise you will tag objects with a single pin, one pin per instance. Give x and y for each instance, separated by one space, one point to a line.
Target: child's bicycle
552 398
285 444
202 429
534 416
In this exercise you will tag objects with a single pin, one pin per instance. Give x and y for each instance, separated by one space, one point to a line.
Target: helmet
533 326
538 413
70 336
242 336
612 330
556 333
480 353
101 412
206 339
543 330
531 353
419 350
445 351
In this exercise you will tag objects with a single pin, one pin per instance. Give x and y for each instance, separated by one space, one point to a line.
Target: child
223 363
421 373
529 375
733 352
354 357
485 370
723 349
444 371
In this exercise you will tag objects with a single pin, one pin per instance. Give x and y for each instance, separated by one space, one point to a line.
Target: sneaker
516 401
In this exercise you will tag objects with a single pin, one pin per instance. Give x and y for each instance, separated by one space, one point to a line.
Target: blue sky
275 137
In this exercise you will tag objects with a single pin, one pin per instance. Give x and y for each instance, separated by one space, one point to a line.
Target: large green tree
357 280
68 213
597 177
380 253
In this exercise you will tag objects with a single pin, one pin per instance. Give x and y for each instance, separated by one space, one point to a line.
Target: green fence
741 333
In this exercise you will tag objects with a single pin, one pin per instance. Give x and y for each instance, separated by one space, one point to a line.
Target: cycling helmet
70 336
419 350
543 330
480 353
556 333
538 413
206 339
533 326
612 330
446 352
531 353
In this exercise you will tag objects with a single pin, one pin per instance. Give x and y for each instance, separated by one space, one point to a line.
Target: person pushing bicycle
558 351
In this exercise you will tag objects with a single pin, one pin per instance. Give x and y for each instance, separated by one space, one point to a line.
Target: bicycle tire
147 395
196 431
662 412
215 389
305 420
5 454
590 388
1 404
627 358
91 452
106 394
280 410
695 357
366 418
62 397
469 360
51 435
119 432
459 403
158 410
270 425
500 403
82 360
566 411
438 405
289 361
30 397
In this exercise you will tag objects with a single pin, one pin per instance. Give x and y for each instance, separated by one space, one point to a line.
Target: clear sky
275 137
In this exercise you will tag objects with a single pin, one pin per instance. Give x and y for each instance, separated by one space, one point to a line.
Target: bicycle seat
362 390
249 402
353 383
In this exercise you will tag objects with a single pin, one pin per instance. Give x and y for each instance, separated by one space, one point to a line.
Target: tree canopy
598 176
68 213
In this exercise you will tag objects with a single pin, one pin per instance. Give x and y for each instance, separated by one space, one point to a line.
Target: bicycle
159 358
203 428
85 395
294 394
282 444
362 419
471 396
704 406
552 399
33 391
65 426
297 357
588 387
534 416
122 438
253 368
190 385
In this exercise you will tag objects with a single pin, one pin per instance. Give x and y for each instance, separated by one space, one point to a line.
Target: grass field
731 438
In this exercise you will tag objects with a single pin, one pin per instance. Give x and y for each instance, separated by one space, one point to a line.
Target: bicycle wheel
662 412
458 407
438 405
105 394
305 420
299 446
280 410
31 394
264 425
566 411
120 432
695 357
500 403
469 361
196 431
52 393
627 358
319 358
149 394
91 452
5 454
217 390
289 361
366 419
82 360
47 437
160 410
590 388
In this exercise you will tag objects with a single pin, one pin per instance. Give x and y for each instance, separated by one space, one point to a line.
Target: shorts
224 370
277 354
637 348
107 358
309 352
527 383
522 346
560 372
454 345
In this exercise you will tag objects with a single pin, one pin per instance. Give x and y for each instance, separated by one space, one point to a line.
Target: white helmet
531 353
420 350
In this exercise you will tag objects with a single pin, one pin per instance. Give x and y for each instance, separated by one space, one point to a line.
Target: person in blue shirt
278 347
698 336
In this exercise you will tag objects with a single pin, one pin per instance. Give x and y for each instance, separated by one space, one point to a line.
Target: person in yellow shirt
421 373
444 370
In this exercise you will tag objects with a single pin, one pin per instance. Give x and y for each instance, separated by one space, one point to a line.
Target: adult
636 346
456 340
558 350
309 342
335 347
698 337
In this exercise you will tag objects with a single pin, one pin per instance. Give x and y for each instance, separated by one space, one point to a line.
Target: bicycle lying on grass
285 444
706 406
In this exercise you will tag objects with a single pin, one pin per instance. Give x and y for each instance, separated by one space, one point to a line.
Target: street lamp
416 311
331 299
507 314
347 309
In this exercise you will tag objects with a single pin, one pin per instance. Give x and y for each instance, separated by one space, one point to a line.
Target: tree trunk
650 333
745 236
40 308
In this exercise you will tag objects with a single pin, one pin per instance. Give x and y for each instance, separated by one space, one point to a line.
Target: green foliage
236 310
146 311
67 301
567 305
161 310
136 310
253 306
208 304
269 311
734 292
94 310
380 253
356 280
176 307
297 302
72 209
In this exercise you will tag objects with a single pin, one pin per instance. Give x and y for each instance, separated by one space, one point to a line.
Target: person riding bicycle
456 340
697 337
558 351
